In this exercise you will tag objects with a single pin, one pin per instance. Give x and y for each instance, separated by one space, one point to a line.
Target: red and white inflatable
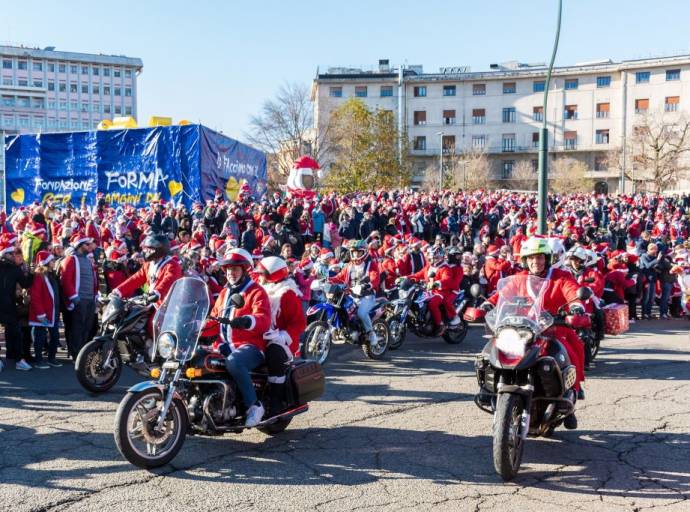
301 181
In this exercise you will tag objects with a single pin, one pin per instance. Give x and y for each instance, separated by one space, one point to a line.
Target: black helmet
155 247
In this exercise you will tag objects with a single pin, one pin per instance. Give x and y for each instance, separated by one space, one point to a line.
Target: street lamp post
440 167
544 135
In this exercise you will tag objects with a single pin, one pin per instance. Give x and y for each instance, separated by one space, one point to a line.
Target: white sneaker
455 321
22 365
254 415
373 338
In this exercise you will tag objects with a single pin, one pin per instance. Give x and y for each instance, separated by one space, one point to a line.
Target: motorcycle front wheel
398 331
136 435
507 442
317 342
90 369
378 350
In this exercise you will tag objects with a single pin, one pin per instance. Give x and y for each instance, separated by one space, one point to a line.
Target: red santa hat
36 228
6 245
79 238
43 258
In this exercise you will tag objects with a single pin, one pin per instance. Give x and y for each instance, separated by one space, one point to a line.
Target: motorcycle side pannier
308 381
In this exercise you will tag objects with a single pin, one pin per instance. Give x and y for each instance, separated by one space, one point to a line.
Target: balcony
570 144
602 115
479 120
671 107
569 114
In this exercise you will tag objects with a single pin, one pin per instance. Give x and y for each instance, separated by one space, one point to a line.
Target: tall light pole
440 167
544 137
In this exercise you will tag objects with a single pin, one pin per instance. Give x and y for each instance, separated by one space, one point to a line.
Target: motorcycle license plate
171 365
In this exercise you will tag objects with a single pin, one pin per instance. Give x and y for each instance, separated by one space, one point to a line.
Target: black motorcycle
122 341
411 311
525 377
193 393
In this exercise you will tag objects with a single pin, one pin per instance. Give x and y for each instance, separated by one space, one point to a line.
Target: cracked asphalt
395 435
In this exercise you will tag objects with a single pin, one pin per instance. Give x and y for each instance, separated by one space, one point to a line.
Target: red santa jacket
617 282
389 266
371 269
160 276
286 310
42 302
256 306
444 275
495 269
69 278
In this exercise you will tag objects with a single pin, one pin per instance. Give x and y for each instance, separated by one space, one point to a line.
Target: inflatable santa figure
302 178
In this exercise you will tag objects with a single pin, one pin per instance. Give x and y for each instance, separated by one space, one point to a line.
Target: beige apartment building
592 107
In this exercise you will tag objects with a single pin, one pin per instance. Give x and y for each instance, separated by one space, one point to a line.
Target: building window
671 103
478 89
128 73
117 73
448 143
420 91
73 105
63 123
570 112
535 139
63 105
128 110
52 122
449 117
642 77
419 117
24 122
360 91
8 101
85 70
106 109
508 142
386 91
478 116
22 82
73 69
571 84
6 80
641 106
63 87
6 64
95 71
38 66
72 87
22 64
538 86
509 87
74 123
106 71
602 110
62 68
570 140
602 137
335 92
478 141
449 90
118 91
603 81
509 115
85 89
106 90
507 169
538 113
128 91
51 85
601 163
84 107
672 74
96 89
38 83
51 67
37 103
52 105
118 109
38 122
8 120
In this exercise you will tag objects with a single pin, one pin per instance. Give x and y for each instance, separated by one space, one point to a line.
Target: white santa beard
275 293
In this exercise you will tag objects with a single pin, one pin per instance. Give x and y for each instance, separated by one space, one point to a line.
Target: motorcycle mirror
584 293
475 290
237 300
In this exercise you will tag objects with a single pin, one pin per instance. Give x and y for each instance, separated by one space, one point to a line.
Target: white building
592 107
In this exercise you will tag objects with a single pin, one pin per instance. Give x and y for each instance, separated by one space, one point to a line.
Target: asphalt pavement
398 434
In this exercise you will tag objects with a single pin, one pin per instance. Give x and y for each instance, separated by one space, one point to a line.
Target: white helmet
557 251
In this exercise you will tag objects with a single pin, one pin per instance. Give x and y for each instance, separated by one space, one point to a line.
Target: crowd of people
56 259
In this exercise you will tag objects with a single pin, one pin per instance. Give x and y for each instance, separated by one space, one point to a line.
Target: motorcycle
410 310
122 340
193 393
335 322
525 377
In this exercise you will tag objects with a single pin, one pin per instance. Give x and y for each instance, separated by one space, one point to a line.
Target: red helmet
273 268
237 257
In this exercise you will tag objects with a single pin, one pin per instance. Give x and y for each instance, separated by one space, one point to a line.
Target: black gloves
241 322
486 307
152 298
577 309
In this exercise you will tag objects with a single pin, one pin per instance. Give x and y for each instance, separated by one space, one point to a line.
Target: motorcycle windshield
183 314
520 304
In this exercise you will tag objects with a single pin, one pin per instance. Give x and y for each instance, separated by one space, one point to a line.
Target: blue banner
133 166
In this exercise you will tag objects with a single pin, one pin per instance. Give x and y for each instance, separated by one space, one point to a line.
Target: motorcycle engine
213 408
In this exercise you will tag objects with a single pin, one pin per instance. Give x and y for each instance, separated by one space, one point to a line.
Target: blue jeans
239 364
39 335
665 297
366 304
648 297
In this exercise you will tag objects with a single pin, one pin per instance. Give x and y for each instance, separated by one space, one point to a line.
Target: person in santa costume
243 328
44 310
79 286
287 325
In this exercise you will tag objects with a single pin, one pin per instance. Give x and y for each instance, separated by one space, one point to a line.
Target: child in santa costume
44 310
287 325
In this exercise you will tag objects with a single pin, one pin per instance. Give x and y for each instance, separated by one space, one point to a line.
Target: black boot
276 399
570 422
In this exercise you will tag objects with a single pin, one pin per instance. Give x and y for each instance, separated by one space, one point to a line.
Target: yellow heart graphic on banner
232 187
18 196
175 187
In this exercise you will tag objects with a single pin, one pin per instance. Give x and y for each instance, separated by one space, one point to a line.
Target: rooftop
49 52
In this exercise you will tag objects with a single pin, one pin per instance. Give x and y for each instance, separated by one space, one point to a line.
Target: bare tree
472 170
568 175
285 128
524 176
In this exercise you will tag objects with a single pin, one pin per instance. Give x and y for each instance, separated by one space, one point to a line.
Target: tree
524 176
364 150
284 129
568 175
658 148
472 170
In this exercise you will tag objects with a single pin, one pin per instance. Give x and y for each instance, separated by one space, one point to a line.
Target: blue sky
216 62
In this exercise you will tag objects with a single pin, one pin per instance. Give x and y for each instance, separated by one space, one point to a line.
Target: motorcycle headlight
166 345
512 341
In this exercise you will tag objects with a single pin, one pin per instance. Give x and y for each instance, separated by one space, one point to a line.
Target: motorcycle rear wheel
132 429
317 342
90 373
378 350
508 443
